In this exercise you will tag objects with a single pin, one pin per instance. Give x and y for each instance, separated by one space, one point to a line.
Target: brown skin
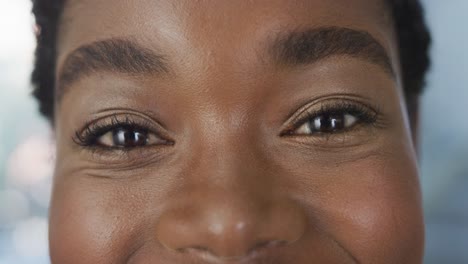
228 185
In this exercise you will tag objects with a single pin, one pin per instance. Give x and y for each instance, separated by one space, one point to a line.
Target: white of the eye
349 120
153 139
107 139
304 129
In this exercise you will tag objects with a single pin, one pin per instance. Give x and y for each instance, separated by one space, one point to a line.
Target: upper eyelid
338 102
307 103
129 115
341 108
147 115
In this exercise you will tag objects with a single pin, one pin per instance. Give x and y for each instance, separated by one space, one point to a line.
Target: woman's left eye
128 138
327 123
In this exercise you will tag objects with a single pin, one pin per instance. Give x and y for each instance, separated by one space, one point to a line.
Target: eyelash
366 115
90 135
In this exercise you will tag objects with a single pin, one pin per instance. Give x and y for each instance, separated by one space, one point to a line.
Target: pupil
129 138
329 123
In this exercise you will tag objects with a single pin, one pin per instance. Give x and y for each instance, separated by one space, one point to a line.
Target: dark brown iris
328 123
129 138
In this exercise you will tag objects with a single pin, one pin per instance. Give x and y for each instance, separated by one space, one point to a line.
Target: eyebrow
111 55
309 46
293 48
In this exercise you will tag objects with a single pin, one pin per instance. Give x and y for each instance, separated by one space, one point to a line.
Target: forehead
223 27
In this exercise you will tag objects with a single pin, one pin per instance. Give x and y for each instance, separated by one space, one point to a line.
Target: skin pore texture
198 131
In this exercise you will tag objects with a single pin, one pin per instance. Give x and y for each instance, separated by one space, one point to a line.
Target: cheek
89 224
374 210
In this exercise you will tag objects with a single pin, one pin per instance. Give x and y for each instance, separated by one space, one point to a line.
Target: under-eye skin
334 120
119 133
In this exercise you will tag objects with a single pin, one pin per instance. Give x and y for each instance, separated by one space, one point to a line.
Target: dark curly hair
413 40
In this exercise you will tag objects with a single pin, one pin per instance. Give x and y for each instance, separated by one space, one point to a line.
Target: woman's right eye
120 132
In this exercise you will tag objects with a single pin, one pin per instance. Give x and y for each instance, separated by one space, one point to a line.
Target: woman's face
232 132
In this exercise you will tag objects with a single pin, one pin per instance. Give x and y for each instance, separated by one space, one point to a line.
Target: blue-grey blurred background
26 145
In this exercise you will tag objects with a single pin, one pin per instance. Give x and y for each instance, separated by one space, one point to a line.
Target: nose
229 204
228 225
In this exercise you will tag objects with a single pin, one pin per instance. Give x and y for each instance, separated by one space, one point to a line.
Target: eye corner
287 131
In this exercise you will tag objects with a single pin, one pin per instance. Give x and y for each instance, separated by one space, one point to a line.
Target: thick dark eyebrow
309 46
111 55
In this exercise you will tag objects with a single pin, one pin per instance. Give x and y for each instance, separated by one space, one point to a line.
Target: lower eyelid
120 159
355 138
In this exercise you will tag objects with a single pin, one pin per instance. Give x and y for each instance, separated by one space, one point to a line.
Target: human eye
333 118
120 133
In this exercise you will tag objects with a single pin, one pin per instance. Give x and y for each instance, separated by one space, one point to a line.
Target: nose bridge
224 144
228 177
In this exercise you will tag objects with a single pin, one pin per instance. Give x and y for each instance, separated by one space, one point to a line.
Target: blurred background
26 144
